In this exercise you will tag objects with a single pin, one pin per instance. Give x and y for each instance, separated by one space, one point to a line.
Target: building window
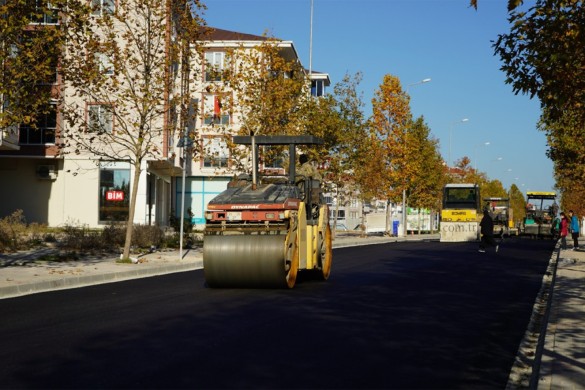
214 114
45 13
215 153
114 192
105 64
42 131
214 65
317 88
100 119
103 7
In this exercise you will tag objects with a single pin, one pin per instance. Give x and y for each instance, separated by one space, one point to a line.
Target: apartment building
207 175
56 186
54 180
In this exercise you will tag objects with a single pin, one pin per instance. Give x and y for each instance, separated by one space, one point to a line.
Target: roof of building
218 34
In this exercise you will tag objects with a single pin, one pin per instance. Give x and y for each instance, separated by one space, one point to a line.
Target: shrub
12 231
147 236
188 225
113 235
81 238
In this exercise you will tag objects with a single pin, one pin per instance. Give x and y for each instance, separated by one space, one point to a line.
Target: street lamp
423 81
451 136
417 83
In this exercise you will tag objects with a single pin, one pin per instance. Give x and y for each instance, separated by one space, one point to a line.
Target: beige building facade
59 187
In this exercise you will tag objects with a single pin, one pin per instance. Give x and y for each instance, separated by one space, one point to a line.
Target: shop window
114 192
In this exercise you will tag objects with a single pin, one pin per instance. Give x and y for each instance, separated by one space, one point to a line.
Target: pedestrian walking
564 231
574 228
487 232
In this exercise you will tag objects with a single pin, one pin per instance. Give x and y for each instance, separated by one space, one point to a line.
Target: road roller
264 230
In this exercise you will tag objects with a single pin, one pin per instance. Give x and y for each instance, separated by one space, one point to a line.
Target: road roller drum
247 261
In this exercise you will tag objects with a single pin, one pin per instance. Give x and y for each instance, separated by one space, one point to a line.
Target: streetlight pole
451 136
475 152
423 81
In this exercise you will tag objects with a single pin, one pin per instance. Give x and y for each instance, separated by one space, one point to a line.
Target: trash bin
395 228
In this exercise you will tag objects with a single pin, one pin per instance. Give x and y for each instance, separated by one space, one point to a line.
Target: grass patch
124 261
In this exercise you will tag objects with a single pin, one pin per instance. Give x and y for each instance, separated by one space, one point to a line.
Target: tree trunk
132 209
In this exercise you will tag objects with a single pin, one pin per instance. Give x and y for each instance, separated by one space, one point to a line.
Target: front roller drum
249 261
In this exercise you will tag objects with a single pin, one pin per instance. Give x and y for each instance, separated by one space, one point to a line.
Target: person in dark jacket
487 232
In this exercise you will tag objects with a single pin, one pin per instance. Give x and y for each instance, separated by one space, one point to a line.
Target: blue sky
444 40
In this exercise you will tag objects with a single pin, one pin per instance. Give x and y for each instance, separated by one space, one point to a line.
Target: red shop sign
115 196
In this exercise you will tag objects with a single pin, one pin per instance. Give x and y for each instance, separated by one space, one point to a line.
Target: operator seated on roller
308 171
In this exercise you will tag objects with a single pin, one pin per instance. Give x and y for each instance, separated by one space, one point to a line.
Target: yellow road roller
265 229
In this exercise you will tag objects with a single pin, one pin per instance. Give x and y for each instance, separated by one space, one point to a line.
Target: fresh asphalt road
399 315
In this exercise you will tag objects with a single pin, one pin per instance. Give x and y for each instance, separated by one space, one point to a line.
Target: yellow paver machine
265 229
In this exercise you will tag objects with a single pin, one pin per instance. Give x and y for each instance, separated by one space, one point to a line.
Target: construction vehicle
501 213
541 210
459 214
263 230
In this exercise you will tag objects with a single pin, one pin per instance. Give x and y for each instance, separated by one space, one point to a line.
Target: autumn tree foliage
543 55
267 93
268 89
389 124
30 43
517 204
119 67
430 172
339 121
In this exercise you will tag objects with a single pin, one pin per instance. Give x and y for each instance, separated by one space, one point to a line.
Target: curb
163 269
525 370
90 280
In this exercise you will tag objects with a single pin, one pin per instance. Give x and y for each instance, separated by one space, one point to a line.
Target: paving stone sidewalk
563 354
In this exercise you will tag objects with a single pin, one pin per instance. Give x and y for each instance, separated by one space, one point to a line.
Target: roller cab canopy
541 195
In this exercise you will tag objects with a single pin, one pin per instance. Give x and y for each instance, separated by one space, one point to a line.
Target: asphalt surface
549 357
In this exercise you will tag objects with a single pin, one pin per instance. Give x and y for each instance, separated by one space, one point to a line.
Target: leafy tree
566 140
266 92
517 204
268 89
389 124
463 172
115 67
543 55
493 189
339 120
28 59
430 175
